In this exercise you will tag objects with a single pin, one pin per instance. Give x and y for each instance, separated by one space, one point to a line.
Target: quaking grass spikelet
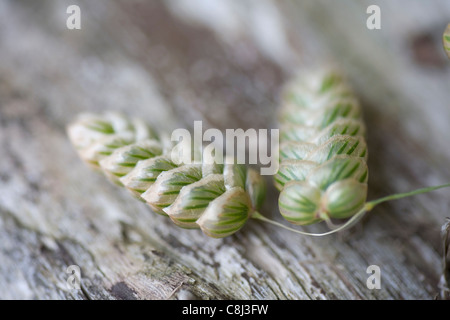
322 175
446 40
216 198
323 172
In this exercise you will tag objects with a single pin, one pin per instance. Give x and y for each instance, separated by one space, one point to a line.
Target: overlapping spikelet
323 172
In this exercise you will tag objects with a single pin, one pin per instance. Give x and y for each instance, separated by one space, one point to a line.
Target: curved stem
367 207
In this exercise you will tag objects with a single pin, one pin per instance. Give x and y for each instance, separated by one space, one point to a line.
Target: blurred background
223 61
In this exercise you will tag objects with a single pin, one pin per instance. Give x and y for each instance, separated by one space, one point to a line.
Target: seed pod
446 40
96 137
323 172
217 198
191 202
168 185
145 174
226 214
124 159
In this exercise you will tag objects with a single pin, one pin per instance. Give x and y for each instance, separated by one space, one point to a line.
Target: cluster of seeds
218 198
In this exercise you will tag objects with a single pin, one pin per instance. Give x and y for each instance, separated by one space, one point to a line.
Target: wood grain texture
171 63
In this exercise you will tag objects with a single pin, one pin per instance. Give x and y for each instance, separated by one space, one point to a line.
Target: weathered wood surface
174 62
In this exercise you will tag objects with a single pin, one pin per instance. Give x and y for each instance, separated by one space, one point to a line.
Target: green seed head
208 195
446 40
226 214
